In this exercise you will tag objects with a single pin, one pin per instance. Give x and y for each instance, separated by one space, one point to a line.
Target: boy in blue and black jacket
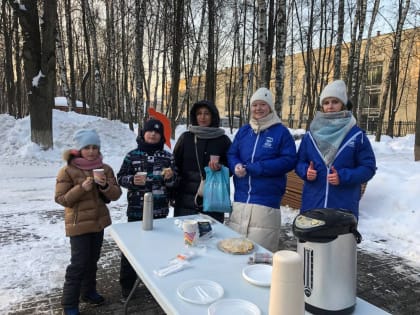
148 158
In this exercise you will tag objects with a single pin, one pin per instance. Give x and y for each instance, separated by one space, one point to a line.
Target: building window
292 100
374 100
374 76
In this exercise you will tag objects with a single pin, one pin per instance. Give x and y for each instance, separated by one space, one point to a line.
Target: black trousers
80 276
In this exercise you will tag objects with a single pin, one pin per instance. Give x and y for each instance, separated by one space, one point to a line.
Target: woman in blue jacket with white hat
261 155
335 156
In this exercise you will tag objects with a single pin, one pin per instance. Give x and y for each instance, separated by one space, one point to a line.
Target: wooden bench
292 196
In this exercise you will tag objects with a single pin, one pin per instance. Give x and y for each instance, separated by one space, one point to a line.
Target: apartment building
294 108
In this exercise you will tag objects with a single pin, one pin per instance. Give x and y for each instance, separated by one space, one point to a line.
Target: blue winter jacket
355 163
267 156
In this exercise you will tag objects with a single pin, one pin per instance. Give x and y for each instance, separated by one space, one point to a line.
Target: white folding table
149 250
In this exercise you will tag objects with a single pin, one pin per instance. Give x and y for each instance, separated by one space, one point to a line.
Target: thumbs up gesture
333 177
311 172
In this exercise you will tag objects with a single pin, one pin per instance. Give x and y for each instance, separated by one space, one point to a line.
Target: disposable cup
98 173
215 158
191 233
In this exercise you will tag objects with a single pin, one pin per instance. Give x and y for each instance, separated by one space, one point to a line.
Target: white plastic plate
233 306
258 274
200 291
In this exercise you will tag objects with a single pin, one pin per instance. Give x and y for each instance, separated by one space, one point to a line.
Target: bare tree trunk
71 97
398 85
110 65
21 111
193 66
232 102
96 106
339 42
160 29
393 89
363 71
417 135
158 106
139 71
210 88
307 57
262 41
127 105
86 33
322 63
280 54
352 46
356 60
61 63
291 100
165 43
39 66
252 76
177 41
151 54
9 82
391 68
241 65
271 31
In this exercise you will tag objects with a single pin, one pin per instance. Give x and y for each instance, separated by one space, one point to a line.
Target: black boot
93 298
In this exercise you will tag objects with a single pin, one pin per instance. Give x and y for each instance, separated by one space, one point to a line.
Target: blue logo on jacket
268 143
352 144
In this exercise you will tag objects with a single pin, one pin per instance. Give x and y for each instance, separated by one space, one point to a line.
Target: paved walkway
383 280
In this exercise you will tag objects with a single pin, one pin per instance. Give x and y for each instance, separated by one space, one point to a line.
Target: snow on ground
35 251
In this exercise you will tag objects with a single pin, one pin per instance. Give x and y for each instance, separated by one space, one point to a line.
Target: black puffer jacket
186 161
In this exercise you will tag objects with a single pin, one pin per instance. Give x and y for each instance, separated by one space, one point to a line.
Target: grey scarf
329 130
206 132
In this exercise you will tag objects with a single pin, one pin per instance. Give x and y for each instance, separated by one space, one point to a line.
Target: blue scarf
329 130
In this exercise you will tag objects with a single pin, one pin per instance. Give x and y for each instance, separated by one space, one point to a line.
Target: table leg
136 284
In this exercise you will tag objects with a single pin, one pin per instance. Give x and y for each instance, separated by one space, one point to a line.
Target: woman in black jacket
204 135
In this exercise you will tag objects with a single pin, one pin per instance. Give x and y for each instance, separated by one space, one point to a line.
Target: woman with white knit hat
261 155
335 156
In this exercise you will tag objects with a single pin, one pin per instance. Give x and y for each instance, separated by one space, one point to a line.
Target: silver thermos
148 212
327 245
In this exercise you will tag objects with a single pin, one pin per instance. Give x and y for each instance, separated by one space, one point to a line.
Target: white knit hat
85 137
263 94
335 89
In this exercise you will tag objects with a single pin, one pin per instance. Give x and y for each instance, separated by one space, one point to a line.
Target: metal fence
401 128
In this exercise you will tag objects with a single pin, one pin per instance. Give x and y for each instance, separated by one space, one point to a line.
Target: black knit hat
154 125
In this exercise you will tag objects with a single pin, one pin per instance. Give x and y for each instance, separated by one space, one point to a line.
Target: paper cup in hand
98 174
190 228
215 158
142 175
